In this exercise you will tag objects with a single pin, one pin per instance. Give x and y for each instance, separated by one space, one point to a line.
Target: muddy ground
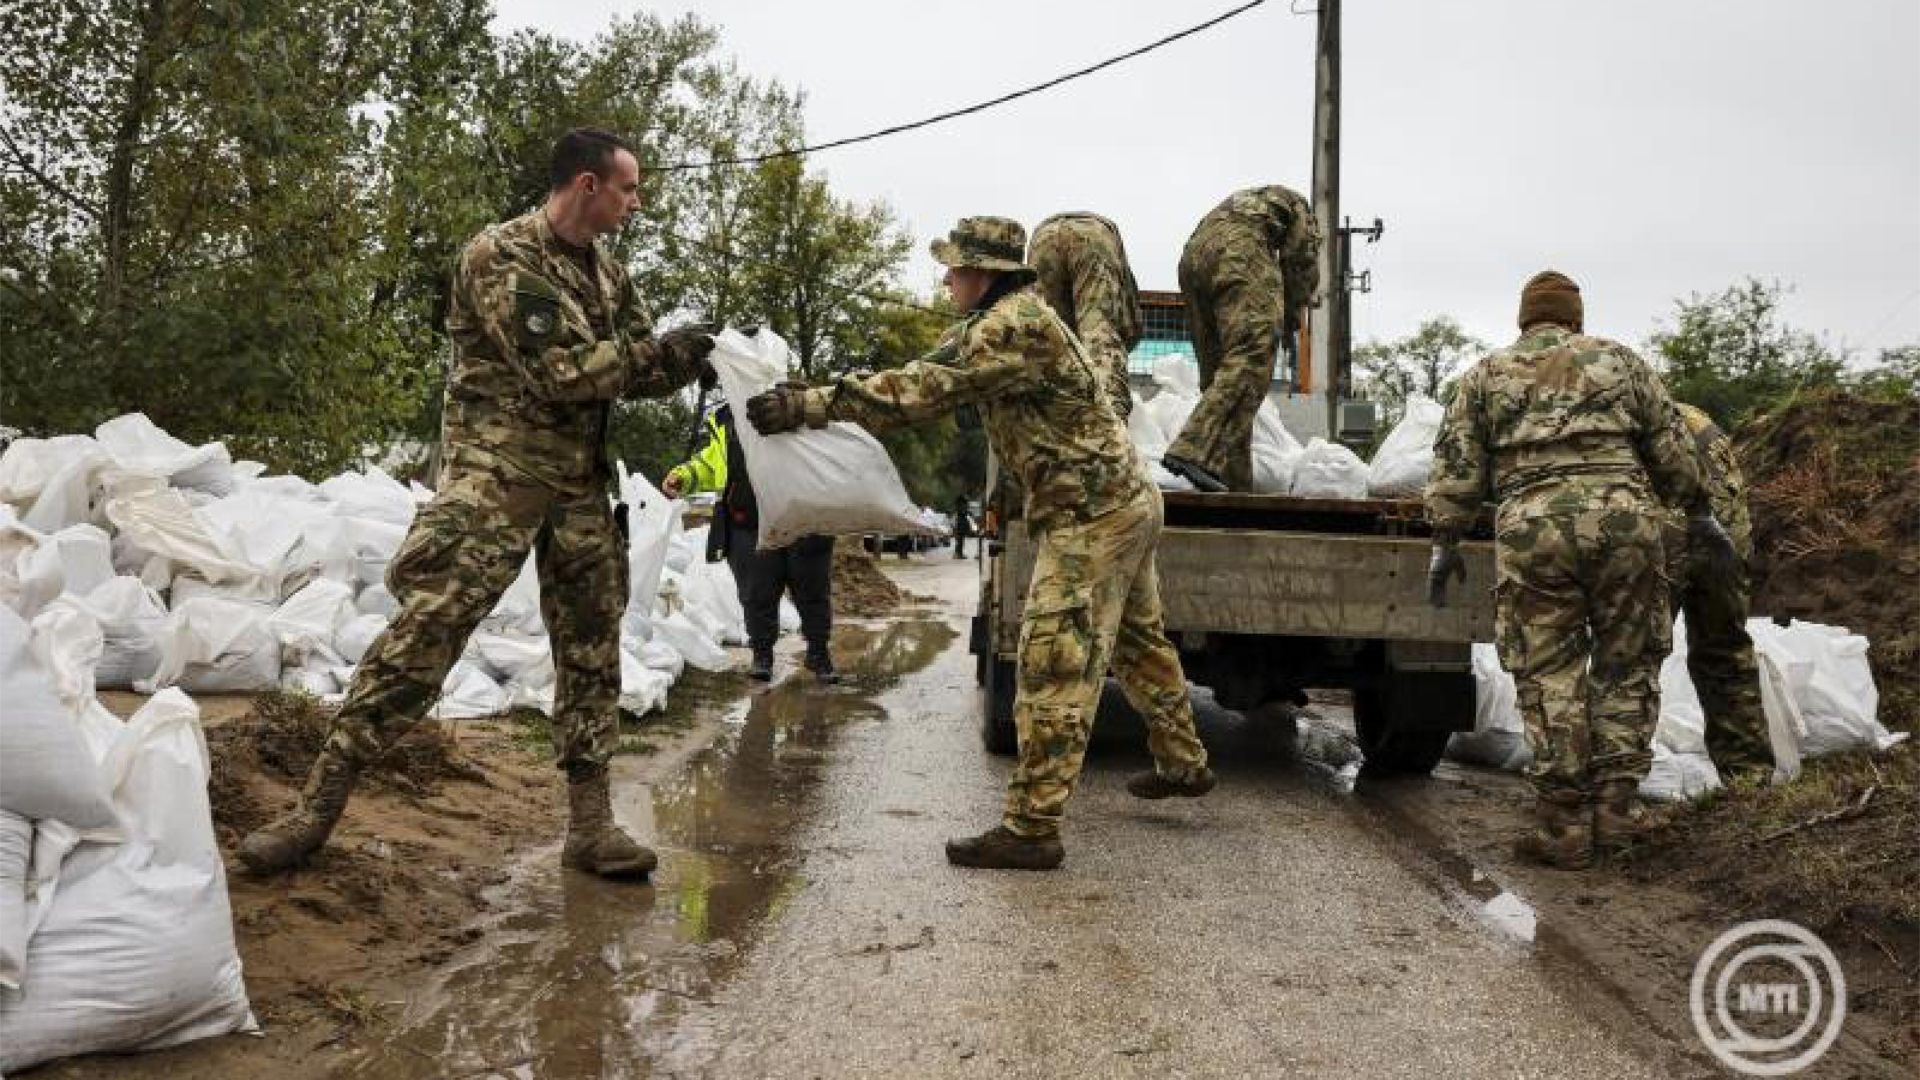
803 922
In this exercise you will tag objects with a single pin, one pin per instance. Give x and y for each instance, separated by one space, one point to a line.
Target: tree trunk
117 222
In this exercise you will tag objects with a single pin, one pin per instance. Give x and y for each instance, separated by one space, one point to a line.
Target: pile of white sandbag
201 573
1816 689
115 932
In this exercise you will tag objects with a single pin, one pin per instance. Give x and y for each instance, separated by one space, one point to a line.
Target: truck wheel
997 732
1395 741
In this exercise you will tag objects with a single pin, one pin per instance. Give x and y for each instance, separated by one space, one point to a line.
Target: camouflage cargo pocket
1056 640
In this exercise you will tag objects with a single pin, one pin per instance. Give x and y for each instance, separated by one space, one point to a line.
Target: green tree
1732 355
1423 362
1895 377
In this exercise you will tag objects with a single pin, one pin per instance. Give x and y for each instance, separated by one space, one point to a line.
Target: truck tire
1404 719
997 732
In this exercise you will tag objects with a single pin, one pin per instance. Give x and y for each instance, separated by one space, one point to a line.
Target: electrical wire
897 129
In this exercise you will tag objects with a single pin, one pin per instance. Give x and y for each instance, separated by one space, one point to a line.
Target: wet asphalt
804 922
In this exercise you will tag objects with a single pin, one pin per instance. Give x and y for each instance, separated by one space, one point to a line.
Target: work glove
783 408
672 483
1709 539
689 343
1446 563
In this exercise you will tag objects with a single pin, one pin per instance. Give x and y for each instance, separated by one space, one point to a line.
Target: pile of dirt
278 740
859 586
1834 488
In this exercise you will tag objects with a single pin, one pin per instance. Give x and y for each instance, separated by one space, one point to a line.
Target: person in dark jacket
804 568
962 525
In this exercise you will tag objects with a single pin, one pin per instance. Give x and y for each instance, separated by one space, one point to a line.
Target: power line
969 110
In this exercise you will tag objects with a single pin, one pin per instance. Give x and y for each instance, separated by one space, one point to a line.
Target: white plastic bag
137 444
309 623
135 950
1498 737
1276 453
825 481
469 692
213 644
694 646
653 521
1327 470
16 855
642 689
1405 457
1676 776
358 636
46 770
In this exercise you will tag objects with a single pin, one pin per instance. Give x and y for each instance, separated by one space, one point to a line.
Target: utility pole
1329 345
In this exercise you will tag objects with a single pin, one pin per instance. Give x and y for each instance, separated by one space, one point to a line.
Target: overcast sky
1649 148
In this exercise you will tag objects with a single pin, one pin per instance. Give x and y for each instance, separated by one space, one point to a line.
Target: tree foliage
1731 354
1423 362
240 216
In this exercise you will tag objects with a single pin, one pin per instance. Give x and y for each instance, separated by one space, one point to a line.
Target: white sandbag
67 643
469 692
653 521
1825 670
642 689
1405 457
46 770
679 633
16 854
657 655
358 635
162 523
135 950
137 444
86 558
28 464
1275 451
1498 737
519 608
510 658
214 644
1145 432
314 680
38 577
377 600
1674 777
15 541
825 481
309 622
291 539
1327 470
710 589
67 498
371 494
130 616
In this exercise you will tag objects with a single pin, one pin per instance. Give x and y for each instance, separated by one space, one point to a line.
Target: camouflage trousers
465 548
1236 309
1582 622
1094 604
1720 658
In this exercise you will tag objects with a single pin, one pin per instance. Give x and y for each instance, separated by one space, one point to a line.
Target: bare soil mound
859 586
1834 487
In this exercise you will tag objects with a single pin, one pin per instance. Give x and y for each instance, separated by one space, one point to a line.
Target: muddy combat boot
999 848
1158 785
594 843
761 669
289 839
1563 838
1621 819
820 662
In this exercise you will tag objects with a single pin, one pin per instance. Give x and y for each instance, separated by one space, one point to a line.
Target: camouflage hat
984 243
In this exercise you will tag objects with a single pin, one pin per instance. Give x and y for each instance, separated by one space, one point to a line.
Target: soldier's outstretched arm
660 363
985 361
1671 459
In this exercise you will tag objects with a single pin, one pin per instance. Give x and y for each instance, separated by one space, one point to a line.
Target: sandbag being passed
825 481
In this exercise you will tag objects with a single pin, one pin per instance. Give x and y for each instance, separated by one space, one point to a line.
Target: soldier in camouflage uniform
1719 652
1577 443
1095 597
547 332
1249 269
1084 276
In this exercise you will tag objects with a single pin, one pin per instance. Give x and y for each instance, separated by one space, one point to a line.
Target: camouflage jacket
1084 275
544 339
1726 485
1042 400
1273 219
1558 416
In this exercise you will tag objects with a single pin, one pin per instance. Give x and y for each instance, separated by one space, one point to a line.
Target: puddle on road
579 977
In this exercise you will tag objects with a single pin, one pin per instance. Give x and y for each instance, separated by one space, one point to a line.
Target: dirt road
804 922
